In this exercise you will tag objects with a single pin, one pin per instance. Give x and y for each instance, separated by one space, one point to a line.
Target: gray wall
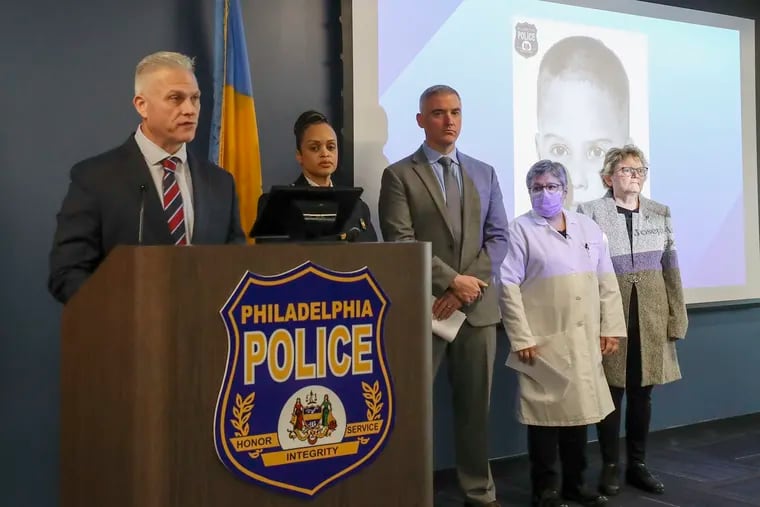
719 362
66 86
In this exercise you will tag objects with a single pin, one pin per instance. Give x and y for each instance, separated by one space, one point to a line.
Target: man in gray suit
441 195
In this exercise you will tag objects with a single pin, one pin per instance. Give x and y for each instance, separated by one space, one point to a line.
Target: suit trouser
639 404
543 443
470 359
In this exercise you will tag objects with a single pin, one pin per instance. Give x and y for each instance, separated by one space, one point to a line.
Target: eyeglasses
628 171
552 188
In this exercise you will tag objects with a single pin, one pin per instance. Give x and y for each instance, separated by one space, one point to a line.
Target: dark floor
713 464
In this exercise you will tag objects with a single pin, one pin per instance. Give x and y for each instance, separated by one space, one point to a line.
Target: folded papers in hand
551 379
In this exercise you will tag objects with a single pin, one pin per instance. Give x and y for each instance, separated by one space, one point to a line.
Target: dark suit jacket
102 210
359 220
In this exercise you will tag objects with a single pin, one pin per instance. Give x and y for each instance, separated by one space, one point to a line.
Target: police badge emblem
306 380
526 39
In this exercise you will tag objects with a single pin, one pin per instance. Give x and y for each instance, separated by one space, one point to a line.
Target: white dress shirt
313 183
153 156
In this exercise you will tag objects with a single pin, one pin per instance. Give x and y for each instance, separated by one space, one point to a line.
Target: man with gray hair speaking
150 190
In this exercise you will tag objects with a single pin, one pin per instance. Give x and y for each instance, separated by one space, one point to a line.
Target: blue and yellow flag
234 143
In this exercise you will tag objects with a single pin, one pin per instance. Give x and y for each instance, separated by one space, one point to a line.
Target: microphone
142 214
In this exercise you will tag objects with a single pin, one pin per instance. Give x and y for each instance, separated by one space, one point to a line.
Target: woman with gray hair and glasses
562 311
644 256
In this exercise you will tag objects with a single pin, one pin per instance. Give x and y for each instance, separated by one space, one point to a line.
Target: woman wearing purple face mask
562 310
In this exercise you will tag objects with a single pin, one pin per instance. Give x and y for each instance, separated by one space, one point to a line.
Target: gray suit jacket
412 208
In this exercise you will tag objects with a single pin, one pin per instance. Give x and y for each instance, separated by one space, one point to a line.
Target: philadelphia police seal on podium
307 397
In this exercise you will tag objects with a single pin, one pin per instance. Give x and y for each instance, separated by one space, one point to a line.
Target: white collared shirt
153 156
312 183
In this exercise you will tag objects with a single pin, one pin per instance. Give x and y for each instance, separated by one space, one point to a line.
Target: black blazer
102 210
360 219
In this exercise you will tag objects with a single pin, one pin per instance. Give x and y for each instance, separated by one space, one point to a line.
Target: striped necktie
173 206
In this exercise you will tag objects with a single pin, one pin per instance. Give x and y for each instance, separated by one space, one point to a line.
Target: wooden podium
143 355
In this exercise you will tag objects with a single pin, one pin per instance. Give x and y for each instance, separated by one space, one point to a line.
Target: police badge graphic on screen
526 40
306 397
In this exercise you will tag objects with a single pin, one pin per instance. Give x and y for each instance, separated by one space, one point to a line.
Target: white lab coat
561 294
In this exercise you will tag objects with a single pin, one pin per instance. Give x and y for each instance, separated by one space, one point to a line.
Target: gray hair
161 60
437 90
543 167
616 155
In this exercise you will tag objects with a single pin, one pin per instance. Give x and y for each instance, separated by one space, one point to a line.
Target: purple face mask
546 204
